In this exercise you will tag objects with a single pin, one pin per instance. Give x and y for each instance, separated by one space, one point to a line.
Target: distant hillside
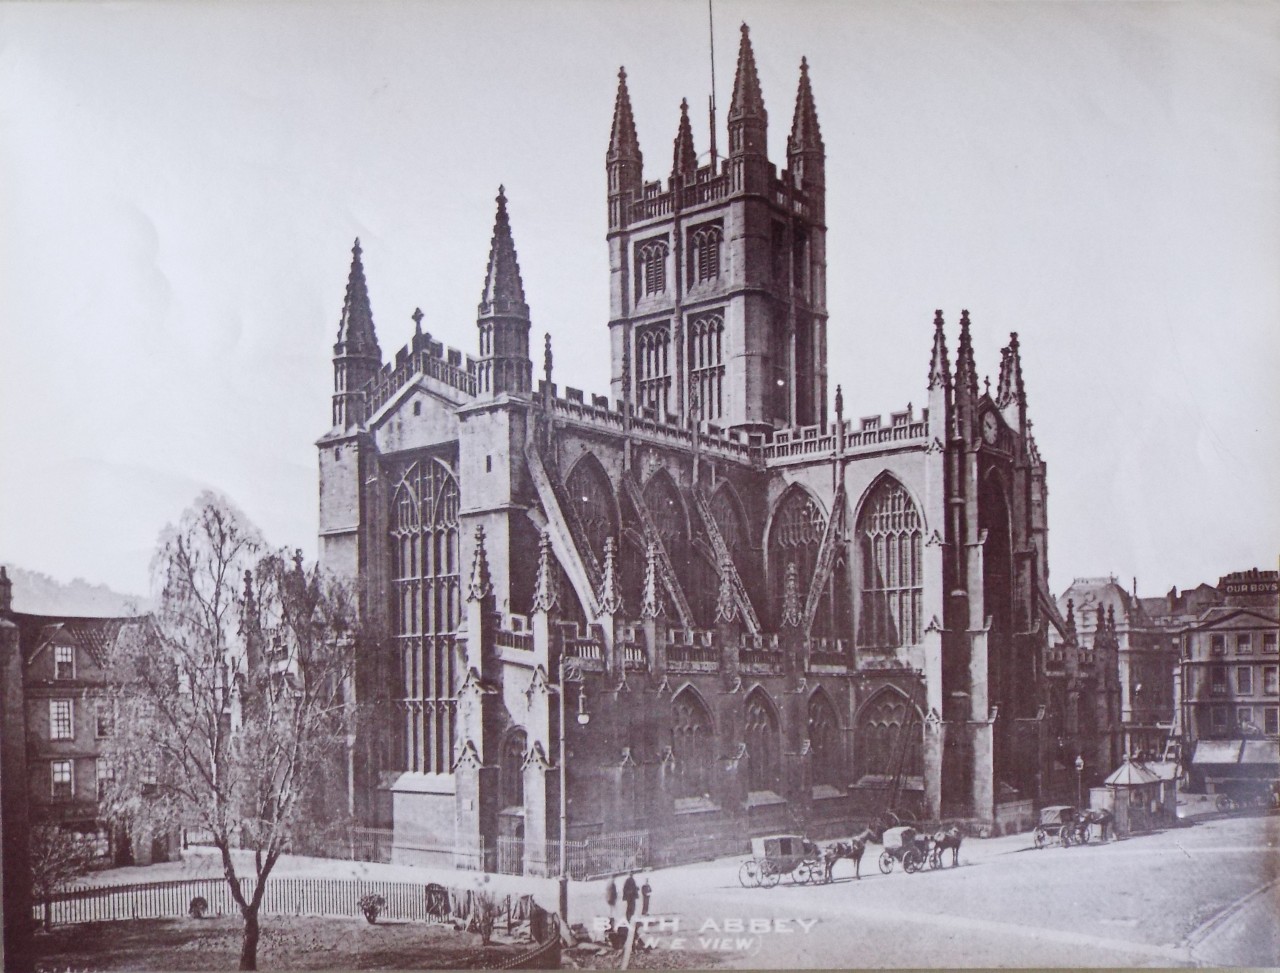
39 594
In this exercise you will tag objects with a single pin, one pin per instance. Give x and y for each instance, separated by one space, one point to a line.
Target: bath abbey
707 604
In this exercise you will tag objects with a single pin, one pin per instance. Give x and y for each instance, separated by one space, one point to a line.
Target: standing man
630 892
611 895
645 892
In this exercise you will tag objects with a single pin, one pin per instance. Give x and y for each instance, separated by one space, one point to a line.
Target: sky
181 183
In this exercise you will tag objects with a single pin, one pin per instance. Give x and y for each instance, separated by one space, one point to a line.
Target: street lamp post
566 674
1079 787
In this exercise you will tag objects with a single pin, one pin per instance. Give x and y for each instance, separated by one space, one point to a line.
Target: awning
1261 752
1217 752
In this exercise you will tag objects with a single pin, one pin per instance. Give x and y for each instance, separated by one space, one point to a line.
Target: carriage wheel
769 876
911 861
749 874
886 862
803 874
1042 838
935 858
1224 802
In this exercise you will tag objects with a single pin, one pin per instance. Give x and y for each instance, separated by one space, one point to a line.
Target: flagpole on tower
711 32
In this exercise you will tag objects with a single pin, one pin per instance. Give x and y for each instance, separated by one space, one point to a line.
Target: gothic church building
746 612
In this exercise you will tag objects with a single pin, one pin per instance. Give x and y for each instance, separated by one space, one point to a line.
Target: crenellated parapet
759 449
426 357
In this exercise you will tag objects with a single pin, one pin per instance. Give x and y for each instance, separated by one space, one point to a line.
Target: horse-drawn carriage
907 847
1060 822
777 855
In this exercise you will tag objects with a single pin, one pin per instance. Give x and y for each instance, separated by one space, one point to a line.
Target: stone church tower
732 612
718 296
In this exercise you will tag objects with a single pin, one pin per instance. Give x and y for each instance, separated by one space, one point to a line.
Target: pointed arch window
651 268
692 745
426 593
796 538
667 511
824 742
890 536
511 786
706 364
704 573
888 738
653 367
764 744
592 501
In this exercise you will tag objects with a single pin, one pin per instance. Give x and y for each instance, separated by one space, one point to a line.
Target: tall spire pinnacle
684 161
623 143
355 328
966 370
503 288
747 99
940 366
805 132
651 597
546 592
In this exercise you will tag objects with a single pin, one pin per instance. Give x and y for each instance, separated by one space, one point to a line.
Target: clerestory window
891 537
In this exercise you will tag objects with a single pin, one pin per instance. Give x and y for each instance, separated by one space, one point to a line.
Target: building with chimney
707 604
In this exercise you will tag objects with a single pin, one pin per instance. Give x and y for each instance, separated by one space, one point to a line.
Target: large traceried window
651 268
764 744
427 609
592 502
653 367
692 745
796 538
706 365
824 742
704 574
890 535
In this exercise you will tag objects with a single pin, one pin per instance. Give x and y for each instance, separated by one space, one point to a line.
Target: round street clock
990 428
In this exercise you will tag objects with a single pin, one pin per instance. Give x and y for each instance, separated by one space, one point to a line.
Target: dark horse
1099 816
950 838
851 849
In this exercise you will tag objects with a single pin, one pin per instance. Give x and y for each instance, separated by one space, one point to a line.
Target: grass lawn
287 943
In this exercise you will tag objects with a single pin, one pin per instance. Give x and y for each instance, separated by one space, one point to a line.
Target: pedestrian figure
630 892
611 894
645 892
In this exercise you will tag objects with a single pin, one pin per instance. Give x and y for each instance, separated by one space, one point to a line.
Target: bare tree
57 856
235 711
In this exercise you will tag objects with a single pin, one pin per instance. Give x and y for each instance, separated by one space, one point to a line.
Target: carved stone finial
791 609
417 320
726 603
610 586
481 585
839 403
651 604
546 588
546 356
